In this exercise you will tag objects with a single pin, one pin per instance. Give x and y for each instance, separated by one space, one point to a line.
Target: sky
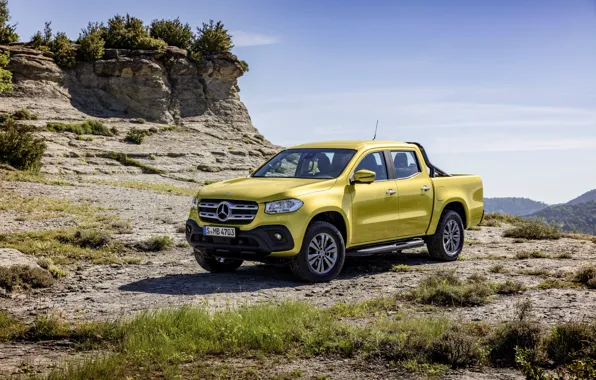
505 89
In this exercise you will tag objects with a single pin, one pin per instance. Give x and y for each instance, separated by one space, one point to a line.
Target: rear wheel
215 264
447 242
322 255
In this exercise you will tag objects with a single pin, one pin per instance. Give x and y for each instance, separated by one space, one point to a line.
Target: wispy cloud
243 39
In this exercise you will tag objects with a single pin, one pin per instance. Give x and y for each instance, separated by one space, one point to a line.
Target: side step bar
385 248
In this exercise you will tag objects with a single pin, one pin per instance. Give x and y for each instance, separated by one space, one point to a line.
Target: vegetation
7 31
166 188
19 148
125 160
5 75
88 127
24 277
213 38
156 244
91 43
136 136
64 51
586 276
534 230
530 255
173 32
496 219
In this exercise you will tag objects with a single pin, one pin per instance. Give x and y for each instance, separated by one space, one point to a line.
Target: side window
405 163
374 162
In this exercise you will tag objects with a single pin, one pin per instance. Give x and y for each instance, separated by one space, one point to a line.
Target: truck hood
264 189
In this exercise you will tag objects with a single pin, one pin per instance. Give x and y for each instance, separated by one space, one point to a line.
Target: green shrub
24 276
446 289
213 38
20 149
509 287
92 238
401 268
456 347
173 32
125 32
534 230
5 75
7 32
24 114
511 336
244 65
530 255
91 43
572 340
136 136
586 276
157 243
88 127
64 51
126 161
150 43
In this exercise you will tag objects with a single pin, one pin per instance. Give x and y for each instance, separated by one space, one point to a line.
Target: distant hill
579 217
513 205
587 197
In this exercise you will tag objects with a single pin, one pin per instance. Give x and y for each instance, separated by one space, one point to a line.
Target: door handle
390 192
425 188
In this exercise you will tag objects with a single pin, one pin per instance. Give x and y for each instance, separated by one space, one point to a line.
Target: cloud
243 39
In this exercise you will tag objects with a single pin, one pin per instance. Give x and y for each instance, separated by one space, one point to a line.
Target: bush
511 336
173 32
5 75
213 38
533 229
586 276
150 43
88 127
124 32
456 347
509 287
244 66
93 239
446 289
569 341
91 43
20 149
136 136
155 244
24 114
24 276
41 41
7 32
64 51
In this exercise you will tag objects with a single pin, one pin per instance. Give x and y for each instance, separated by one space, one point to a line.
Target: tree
173 32
7 32
5 75
91 44
213 38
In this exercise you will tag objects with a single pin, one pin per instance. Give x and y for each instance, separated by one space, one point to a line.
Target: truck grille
227 211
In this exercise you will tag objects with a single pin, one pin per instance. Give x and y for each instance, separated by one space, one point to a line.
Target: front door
374 205
415 193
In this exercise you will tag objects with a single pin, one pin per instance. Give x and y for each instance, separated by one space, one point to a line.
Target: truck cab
313 205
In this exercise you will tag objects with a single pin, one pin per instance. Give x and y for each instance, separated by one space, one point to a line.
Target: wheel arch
335 217
453 204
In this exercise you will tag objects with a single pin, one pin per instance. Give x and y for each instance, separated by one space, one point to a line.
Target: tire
448 240
216 264
320 270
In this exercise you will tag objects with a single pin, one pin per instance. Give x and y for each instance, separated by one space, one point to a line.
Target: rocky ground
172 277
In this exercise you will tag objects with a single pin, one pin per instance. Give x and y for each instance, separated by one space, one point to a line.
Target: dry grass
24 277
533 230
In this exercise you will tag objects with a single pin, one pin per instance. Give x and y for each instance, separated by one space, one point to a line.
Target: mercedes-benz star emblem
223 211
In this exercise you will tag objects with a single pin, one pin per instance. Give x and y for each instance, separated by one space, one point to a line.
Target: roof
354 144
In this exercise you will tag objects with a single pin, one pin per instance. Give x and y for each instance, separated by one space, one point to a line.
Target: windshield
307 163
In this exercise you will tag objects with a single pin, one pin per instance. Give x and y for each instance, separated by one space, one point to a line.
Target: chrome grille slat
242 212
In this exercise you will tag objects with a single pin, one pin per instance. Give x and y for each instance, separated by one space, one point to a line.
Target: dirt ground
173 278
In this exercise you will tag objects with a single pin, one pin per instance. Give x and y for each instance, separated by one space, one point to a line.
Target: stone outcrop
214 135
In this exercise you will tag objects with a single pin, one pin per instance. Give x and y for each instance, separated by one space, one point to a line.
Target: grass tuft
88 127
533 230
24 277
156 244
446 289
531 255
401 268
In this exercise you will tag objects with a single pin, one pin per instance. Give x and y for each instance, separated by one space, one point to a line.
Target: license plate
219 231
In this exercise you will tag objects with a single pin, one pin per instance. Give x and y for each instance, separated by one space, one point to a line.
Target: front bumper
256 244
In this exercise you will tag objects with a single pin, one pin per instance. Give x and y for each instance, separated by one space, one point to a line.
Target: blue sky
501 88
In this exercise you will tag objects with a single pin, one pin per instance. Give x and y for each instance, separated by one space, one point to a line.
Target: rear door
374 205
415 193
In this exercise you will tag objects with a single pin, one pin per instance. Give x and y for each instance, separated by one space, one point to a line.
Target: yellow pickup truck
312 205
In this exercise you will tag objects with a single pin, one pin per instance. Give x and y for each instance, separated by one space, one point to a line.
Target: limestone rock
10 257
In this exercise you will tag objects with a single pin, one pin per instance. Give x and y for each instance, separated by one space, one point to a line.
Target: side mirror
364 176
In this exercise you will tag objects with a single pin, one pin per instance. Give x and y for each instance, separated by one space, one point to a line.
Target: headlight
195 203
280 207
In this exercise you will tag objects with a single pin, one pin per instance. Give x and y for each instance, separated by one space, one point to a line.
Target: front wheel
447 242
216 264
322 255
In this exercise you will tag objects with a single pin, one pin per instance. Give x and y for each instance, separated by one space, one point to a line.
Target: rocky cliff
213 138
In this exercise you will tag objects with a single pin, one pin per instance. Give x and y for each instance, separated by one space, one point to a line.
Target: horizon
504 90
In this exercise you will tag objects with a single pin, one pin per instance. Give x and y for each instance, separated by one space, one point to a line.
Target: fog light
278 236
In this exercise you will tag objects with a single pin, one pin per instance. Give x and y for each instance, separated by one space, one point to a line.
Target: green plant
24 114
5 75
498 268
136 136
213 38
84 138
446 289
401 268
139 120
456 347
572 340
89 238
91 43
150 43
173 32
125 160
20 149
586 276
509 287
128 32
534 230
24 276
88 127
156 243
243 65
7 31
530 255
64 51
